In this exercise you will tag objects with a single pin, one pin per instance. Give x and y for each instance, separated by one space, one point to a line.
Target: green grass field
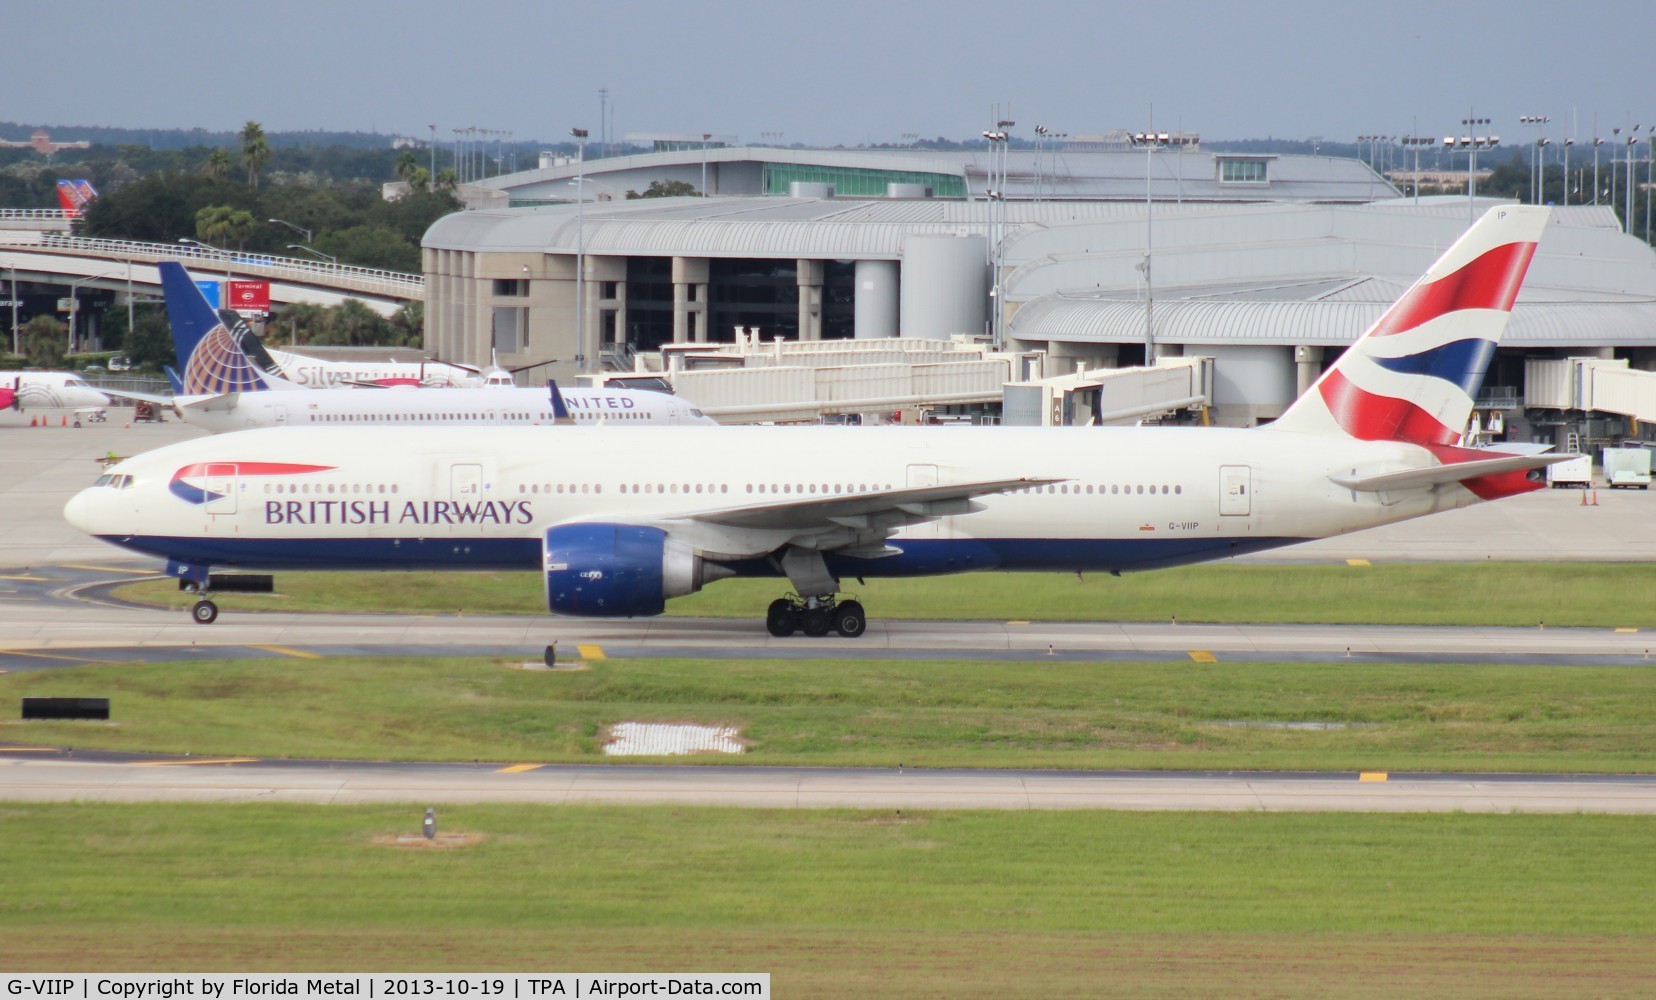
877 713
1603 594
850 904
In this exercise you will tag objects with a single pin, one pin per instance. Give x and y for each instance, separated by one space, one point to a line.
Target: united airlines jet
620 520
225 385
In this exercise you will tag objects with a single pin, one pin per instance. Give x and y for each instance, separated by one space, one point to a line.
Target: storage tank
895 189
945 286
810 189
875 300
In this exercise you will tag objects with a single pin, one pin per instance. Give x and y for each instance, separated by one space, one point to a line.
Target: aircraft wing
1454 472
147 397
853 523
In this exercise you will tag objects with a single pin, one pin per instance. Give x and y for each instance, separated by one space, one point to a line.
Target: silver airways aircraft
50 391
225 386
619 520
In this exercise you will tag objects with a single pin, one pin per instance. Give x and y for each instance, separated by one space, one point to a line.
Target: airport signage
211 290
250 296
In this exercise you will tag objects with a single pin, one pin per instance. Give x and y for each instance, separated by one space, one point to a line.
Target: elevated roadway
129 266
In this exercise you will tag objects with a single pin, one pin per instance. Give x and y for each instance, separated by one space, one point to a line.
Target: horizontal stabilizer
1434 475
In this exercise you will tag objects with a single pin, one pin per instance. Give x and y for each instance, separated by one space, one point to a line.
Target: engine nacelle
618 570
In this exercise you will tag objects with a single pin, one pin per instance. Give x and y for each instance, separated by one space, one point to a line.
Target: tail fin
560 409
209 343
74 196
1413 376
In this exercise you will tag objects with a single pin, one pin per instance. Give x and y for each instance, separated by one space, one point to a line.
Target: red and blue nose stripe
190 493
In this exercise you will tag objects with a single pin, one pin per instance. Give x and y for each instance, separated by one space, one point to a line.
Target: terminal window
1241 171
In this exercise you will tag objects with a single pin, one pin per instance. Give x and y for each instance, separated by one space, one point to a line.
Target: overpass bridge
51 257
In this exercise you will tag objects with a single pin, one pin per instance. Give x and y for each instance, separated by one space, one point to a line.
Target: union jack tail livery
1413 376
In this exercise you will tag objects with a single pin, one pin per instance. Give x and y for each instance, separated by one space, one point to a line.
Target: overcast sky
824 73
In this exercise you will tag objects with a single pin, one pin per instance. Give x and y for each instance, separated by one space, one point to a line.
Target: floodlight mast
580 135
1149 142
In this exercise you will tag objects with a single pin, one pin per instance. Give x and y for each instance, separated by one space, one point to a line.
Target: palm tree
218 163
255 151
446 179
407 163
221 224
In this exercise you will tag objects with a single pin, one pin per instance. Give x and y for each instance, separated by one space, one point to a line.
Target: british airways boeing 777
620 520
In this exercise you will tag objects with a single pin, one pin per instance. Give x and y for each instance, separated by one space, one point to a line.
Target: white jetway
1111 395
1601 385
751 381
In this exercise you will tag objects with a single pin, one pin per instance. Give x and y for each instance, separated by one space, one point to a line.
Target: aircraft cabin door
279 412
1235 490
465 482
221 482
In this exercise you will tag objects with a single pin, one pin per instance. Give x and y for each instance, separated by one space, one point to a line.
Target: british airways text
412 512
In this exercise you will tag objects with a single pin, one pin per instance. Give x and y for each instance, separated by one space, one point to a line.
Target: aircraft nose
80 511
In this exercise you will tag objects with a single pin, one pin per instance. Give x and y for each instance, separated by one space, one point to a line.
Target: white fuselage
1126 498
317 373
495 407
53 391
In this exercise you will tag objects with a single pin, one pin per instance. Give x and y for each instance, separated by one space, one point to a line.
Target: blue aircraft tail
209 343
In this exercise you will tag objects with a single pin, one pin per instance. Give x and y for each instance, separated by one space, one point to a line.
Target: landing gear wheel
849 619
204 612
780 619
816 622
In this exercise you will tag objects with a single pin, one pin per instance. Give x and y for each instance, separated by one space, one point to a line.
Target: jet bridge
1105 396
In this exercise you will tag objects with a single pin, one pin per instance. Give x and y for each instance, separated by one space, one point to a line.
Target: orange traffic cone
1595 498
1583 499
65 421
34 421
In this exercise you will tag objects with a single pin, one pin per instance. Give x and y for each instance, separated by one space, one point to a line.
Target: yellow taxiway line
288 651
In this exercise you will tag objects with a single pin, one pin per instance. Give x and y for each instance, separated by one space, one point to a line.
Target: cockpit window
78 383
104 480
114 482
696 413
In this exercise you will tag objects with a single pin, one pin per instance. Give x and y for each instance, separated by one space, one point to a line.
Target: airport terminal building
1264 268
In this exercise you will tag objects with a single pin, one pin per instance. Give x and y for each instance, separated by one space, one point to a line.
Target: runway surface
41 774
53 616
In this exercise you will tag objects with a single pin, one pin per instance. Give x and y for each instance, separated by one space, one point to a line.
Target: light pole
1632 141
74 303
301 230
1413 144
330 258
1540 123
995 192
1470 144
1568 142
16 345
1650 137
1149 142
433 127
705 136
1597 142
224 255
580 135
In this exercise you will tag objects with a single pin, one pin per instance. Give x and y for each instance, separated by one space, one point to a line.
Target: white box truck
1573 472
1629 467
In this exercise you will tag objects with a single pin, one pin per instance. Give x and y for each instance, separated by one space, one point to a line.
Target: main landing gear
204 611
815 616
